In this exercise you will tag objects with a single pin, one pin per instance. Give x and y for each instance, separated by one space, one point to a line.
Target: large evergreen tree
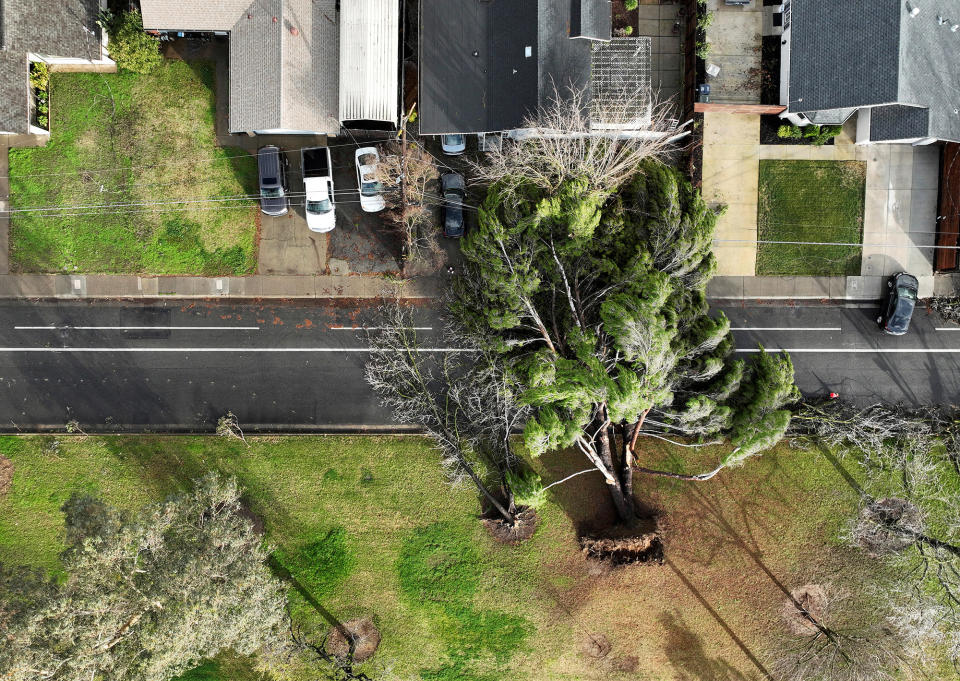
599 305
145 599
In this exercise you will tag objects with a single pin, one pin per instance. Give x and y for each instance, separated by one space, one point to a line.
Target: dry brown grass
732 545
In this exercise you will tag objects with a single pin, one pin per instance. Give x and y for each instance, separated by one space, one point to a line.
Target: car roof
452 181
268 160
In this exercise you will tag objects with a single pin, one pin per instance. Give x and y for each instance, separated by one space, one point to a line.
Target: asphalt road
113 366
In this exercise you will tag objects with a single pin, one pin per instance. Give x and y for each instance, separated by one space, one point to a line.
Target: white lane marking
377 328
785 328
882 351
139 328
186 350
946 328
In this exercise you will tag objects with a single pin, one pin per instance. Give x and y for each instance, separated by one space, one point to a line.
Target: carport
370 63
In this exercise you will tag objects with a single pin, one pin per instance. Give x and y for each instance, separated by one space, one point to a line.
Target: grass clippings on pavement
125 152
451 602
810 201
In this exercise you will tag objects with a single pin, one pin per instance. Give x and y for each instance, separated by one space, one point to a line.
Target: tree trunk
622 498
626 459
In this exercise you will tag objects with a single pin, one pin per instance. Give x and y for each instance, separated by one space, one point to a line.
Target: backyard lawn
368 527
142 144
810 201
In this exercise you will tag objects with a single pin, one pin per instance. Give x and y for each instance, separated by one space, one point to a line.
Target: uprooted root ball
524 525
357 640
645 548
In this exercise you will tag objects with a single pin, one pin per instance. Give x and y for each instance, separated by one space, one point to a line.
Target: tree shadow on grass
685 651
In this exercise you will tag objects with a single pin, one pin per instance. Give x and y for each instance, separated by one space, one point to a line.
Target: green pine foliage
603 304
130 46
145 598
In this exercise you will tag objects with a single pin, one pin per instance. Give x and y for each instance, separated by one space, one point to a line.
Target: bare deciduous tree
841 638
228 426
412 217
462 398
562 142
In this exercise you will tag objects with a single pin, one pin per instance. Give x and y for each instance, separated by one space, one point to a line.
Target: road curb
287 287
265 430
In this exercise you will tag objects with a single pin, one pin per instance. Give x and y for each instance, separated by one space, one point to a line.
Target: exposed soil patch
255 520
623 17
595 645
813 599
361 633
6 475
617 548
521 530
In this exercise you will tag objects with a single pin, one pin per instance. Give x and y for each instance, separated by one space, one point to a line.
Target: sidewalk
836 289
78 286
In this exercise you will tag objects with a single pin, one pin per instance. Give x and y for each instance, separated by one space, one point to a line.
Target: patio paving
666 59
735 38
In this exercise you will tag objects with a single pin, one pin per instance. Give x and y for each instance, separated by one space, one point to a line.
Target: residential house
894 62
488 67
58 32
298 66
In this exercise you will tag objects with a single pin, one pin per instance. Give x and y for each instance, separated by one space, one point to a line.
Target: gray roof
843 54
284 57
202 15
897 122
591 19
873 52
475 73
54 28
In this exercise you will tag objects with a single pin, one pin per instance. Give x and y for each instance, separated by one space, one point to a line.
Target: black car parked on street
895 316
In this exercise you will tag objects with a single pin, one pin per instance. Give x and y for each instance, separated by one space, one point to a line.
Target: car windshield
271 192
904 292
454 140
370 188
368 159
902 313
319 206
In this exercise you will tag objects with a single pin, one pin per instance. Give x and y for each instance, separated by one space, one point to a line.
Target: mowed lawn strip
810 201
369 527
138 144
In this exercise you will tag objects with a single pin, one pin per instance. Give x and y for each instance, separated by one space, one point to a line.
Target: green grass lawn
133 139
368 527
810 201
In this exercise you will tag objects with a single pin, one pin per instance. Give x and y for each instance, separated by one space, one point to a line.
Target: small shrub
703 49
789 132
628 30
132 48
631 4
42 121
39 76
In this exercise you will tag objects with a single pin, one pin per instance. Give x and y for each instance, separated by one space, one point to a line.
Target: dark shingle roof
874 52
475 74
898 122
591 19
59 28
843 54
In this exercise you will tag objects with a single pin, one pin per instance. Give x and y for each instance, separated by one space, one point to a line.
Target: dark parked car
896 314
273 180
453 196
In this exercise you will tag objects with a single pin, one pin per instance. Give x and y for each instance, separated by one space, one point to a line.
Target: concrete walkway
731 162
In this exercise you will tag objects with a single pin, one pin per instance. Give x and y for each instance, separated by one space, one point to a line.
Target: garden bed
771 128
133 180
810 201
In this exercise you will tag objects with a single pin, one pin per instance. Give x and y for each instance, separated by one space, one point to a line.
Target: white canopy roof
369 60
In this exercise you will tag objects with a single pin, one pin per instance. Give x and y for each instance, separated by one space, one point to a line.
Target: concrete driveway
361 243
